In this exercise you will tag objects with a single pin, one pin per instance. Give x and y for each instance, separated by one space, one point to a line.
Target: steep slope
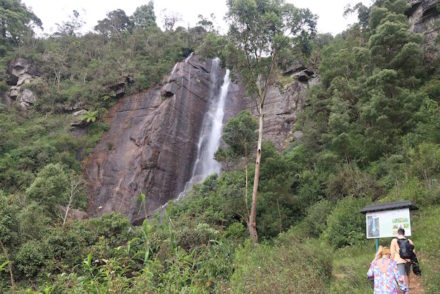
284 102
152 142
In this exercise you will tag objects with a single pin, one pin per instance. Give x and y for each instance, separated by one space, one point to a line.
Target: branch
272 65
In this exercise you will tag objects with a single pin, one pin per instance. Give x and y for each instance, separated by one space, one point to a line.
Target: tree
116 23
170 19
50 187
75 188
258 30
206 23
70 27
16 21
239 134
144 16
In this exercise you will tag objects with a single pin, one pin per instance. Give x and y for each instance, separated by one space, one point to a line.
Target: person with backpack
402 252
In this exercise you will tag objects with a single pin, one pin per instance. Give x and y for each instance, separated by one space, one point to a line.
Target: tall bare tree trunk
252 218
247 180
5 252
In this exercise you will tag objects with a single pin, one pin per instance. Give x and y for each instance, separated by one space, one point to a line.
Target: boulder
26 98
14 91
298 135
24 79
19 67
21 73
297 66
79 112
74 214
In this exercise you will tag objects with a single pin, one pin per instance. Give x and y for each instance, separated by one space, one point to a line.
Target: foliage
239 133
8 222
428 253
290 266
371 133
258 31
16 22
345 225
144 16
350 265
49 188
30 259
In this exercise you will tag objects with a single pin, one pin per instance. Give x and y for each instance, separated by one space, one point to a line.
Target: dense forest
371 133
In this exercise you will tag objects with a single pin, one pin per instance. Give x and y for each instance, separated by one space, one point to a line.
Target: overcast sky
51 12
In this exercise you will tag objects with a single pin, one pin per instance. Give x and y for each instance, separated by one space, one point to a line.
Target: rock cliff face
151 144
21 72
423 18
284 102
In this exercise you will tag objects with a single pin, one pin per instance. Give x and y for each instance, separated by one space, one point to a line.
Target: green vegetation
371 133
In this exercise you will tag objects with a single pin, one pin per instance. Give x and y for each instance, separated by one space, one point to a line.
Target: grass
426 236
350 266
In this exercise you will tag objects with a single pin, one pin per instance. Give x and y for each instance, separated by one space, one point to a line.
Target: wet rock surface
151 144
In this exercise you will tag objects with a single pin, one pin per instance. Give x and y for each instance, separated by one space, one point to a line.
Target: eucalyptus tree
16 21
144 16
258 30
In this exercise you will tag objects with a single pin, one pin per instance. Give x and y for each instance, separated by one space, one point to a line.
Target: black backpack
406 249
415 266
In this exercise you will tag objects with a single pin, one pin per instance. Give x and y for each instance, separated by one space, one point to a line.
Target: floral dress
388 281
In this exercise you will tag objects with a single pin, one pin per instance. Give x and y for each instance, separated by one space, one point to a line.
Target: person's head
382 251
401 232
386 252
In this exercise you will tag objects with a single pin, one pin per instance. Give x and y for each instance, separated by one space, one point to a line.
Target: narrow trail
415 285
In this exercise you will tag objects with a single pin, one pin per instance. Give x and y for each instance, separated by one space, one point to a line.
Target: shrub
346 225
316 220
30 259
33 221
50 187
113 227
8 221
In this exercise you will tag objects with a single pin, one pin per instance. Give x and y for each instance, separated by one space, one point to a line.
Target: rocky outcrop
78 120
284 102
151 144
423 17
21 73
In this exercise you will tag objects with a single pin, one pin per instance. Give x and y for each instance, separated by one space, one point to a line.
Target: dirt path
415 285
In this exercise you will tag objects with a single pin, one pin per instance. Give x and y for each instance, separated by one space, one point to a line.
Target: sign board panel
384 224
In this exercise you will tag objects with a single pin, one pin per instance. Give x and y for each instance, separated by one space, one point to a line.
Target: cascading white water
211 131
174 69
189 57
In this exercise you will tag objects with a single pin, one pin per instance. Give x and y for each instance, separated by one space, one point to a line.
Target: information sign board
384 224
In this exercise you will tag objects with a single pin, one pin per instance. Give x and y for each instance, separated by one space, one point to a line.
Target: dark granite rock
423 17
151 144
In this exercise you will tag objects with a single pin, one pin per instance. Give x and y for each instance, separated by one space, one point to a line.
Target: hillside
101 132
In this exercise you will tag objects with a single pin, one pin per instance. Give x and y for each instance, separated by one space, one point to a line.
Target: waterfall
174 69
189 57
211 131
